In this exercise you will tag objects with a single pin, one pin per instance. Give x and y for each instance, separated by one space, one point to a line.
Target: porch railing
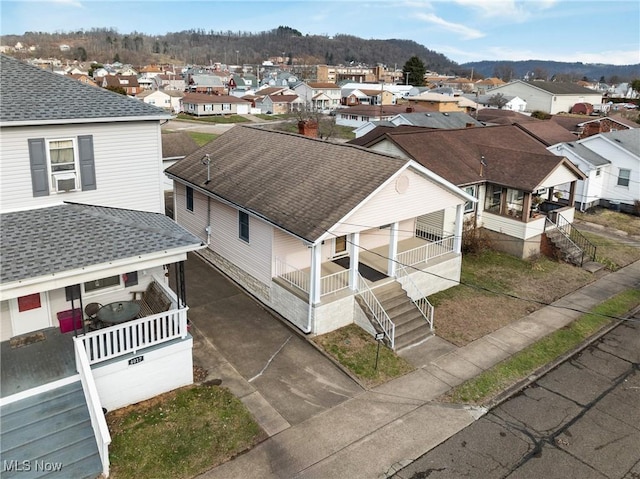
429 233
98 421
334 282
424 253
300 279
377 311
129 337
295 277
422 303
577 238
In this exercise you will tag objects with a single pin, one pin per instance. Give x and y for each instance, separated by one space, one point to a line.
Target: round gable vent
402 184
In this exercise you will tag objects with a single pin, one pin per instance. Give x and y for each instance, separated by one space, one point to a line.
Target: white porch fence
98 421
129 337
377 311
422 254
418 298
331 283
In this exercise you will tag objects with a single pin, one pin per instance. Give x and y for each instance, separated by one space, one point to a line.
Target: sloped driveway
262 360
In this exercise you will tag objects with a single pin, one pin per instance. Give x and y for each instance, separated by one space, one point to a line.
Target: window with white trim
623 177
470 206
62 158
226 107
102 284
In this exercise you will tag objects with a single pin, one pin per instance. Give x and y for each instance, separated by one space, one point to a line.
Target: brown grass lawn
612 219
491 283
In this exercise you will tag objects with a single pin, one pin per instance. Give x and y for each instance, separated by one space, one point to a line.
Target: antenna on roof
482 164
206 160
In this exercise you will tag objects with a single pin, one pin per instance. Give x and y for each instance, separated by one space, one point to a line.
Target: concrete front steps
411 327
49 435
570 252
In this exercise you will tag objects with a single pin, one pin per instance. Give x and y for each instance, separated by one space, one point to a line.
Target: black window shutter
39 170
87 162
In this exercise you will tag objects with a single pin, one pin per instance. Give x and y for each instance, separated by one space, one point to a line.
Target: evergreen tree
414 71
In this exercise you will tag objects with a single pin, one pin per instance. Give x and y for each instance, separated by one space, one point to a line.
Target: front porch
374 266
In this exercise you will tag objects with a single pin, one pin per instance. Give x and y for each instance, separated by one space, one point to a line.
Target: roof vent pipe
206 160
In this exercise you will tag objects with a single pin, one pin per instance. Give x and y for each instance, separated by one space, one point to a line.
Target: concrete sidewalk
376 432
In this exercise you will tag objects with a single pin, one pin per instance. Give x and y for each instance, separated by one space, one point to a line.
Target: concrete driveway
281 378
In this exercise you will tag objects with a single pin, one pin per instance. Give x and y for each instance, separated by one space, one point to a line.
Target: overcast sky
588 31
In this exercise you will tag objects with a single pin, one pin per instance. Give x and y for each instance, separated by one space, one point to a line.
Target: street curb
537 374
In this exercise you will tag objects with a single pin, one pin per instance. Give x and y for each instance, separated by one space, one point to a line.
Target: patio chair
91 310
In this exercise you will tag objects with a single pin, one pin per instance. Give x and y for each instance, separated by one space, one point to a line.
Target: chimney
409 109
591 129
469 125
308 128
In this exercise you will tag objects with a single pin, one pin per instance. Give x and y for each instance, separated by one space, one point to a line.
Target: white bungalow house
517 182
169 100
203 104
611 163
314 228
83 226
550 97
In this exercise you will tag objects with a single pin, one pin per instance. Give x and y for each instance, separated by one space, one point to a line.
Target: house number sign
136 360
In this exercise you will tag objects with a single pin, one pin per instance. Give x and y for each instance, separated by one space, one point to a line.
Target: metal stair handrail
422 303
573 236
377 311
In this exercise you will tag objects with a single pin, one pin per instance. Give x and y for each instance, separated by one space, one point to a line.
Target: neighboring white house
323 96
505 167
611 162
201 104
513 103
61 253
167 100
310 227
550 97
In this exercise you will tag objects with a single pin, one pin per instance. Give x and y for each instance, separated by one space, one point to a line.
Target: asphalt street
581 420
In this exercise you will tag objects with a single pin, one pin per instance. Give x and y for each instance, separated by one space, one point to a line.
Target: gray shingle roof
67 237
560 88
300 184
31 95
628 139
436 119
587 155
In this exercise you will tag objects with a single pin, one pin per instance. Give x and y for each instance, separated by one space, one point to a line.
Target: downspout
208 227
584 191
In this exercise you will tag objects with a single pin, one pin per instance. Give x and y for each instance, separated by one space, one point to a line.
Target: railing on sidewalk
98 421
424 253
129 337
421 302
377 311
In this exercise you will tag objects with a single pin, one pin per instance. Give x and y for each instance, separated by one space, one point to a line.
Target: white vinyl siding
559 176
388 148
194 222
254 257
291 250
421 197
128 161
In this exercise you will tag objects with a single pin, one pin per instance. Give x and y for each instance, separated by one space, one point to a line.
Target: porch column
354 254
457 239
526 207
314 275
393 249
572 193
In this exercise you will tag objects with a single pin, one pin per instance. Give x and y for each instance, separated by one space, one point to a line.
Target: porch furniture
152 300
91 311
118 312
